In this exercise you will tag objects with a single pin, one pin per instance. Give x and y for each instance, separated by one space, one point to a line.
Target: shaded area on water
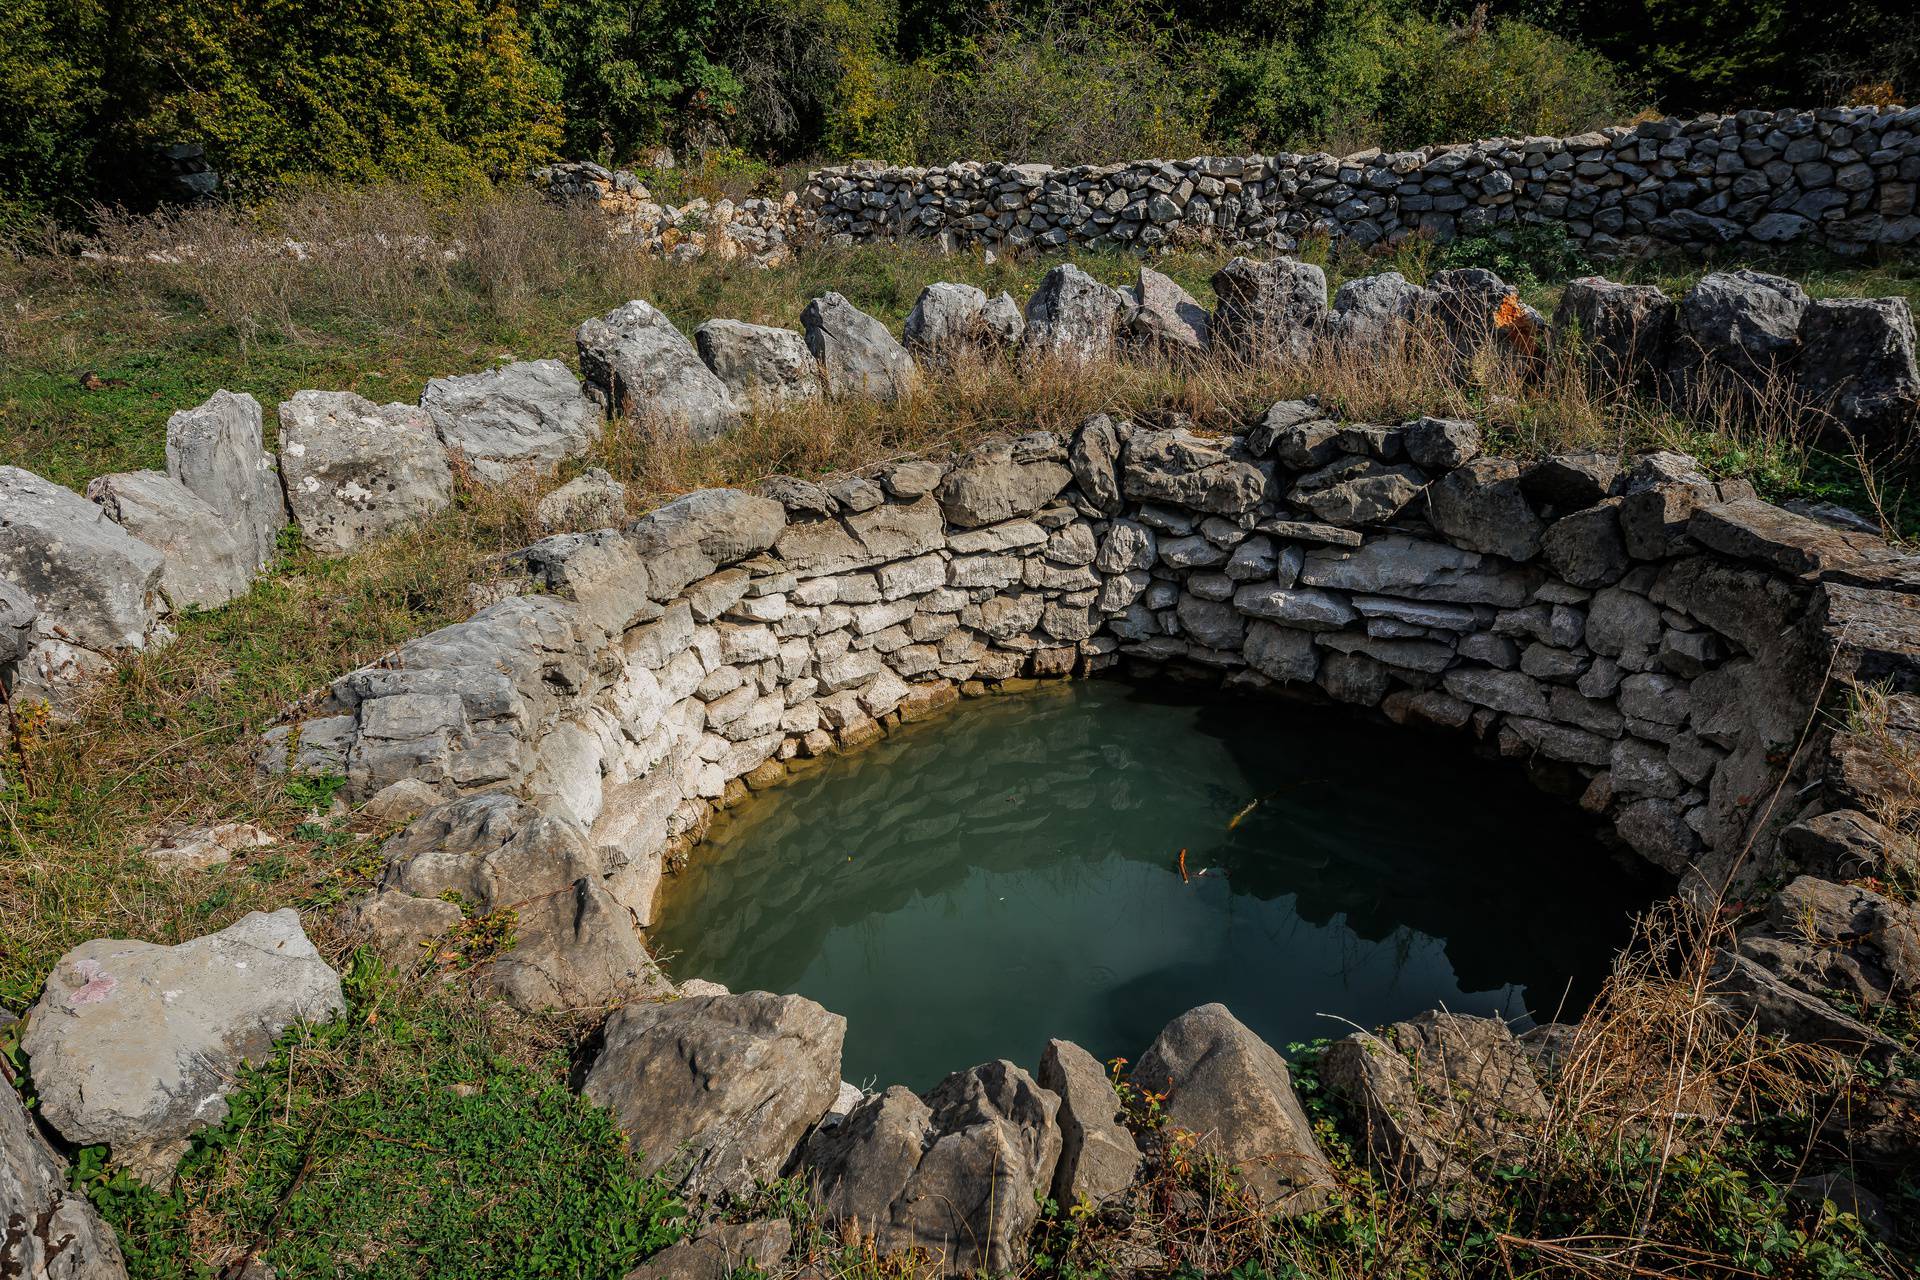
963 890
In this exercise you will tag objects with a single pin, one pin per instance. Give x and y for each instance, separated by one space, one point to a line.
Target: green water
966 889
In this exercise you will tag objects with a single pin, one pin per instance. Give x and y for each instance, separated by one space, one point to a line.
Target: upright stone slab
217 451
95 586
718 1091
1072 318
1373 313
1741 324
205 566
530 414
137 1045
1266 311
1857 364
762 366
645 368
357 472
946 321
1230 1089
1163 320
858 356
1625 328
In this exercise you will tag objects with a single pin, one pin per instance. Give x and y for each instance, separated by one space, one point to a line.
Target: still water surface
966 889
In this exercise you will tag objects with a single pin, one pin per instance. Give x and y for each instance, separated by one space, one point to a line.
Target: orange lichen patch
1513 320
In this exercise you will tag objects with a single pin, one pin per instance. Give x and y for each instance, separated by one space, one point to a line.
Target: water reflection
966 889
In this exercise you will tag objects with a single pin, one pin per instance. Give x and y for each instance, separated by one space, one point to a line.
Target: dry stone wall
1843 178
1650 642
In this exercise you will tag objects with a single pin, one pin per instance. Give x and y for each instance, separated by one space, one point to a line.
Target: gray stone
1570 482
95 585
994 482
1441 444
1164 320
1355 491
48 1230
398 927
1480 506
1372 313
1095 460
1857 364
716 1092
1003 320
531 414
1182 469
1230 1089
18 613
1265 311
1072 318
356 472
137 1045
1624 329
591 500
1437 1094
1586 548
205 567
721 1252
760 365
1745 323
1098 1157
1302 608
1846 845
215 450
1282 653
946 321
575 949
959 1173
646 369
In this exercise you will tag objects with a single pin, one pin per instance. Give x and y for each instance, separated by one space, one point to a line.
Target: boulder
1004 321
356 472
94 584
1098 1157
1230 1089
591 500
1181 469
1072 317
1857 365
1846 845
1473 308
1569 482
721 1252
1441 444
491 851
959 1173
1000 480
1624 328
48 1230
1743 323
1265 311
216 451
1777 1007
137 1045
1480 506
399 928
1586 548
716 1092
857 354
1825 937
1372 313
574 949
642 366
762 366
530 414
205 566
1162 319
950 319
1437 1094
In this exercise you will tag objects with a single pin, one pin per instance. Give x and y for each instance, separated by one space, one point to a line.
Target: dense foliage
450 92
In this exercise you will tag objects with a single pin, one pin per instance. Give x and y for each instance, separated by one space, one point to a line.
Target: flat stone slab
137 1045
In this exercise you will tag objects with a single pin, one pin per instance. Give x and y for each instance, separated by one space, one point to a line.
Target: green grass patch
398 1141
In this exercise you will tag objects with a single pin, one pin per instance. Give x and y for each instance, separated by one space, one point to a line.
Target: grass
166 743
404 1139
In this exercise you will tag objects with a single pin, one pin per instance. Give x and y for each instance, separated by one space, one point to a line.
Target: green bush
1531 254
436 92
50 91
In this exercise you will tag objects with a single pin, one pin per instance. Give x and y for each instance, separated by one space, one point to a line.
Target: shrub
1535 253
50 91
